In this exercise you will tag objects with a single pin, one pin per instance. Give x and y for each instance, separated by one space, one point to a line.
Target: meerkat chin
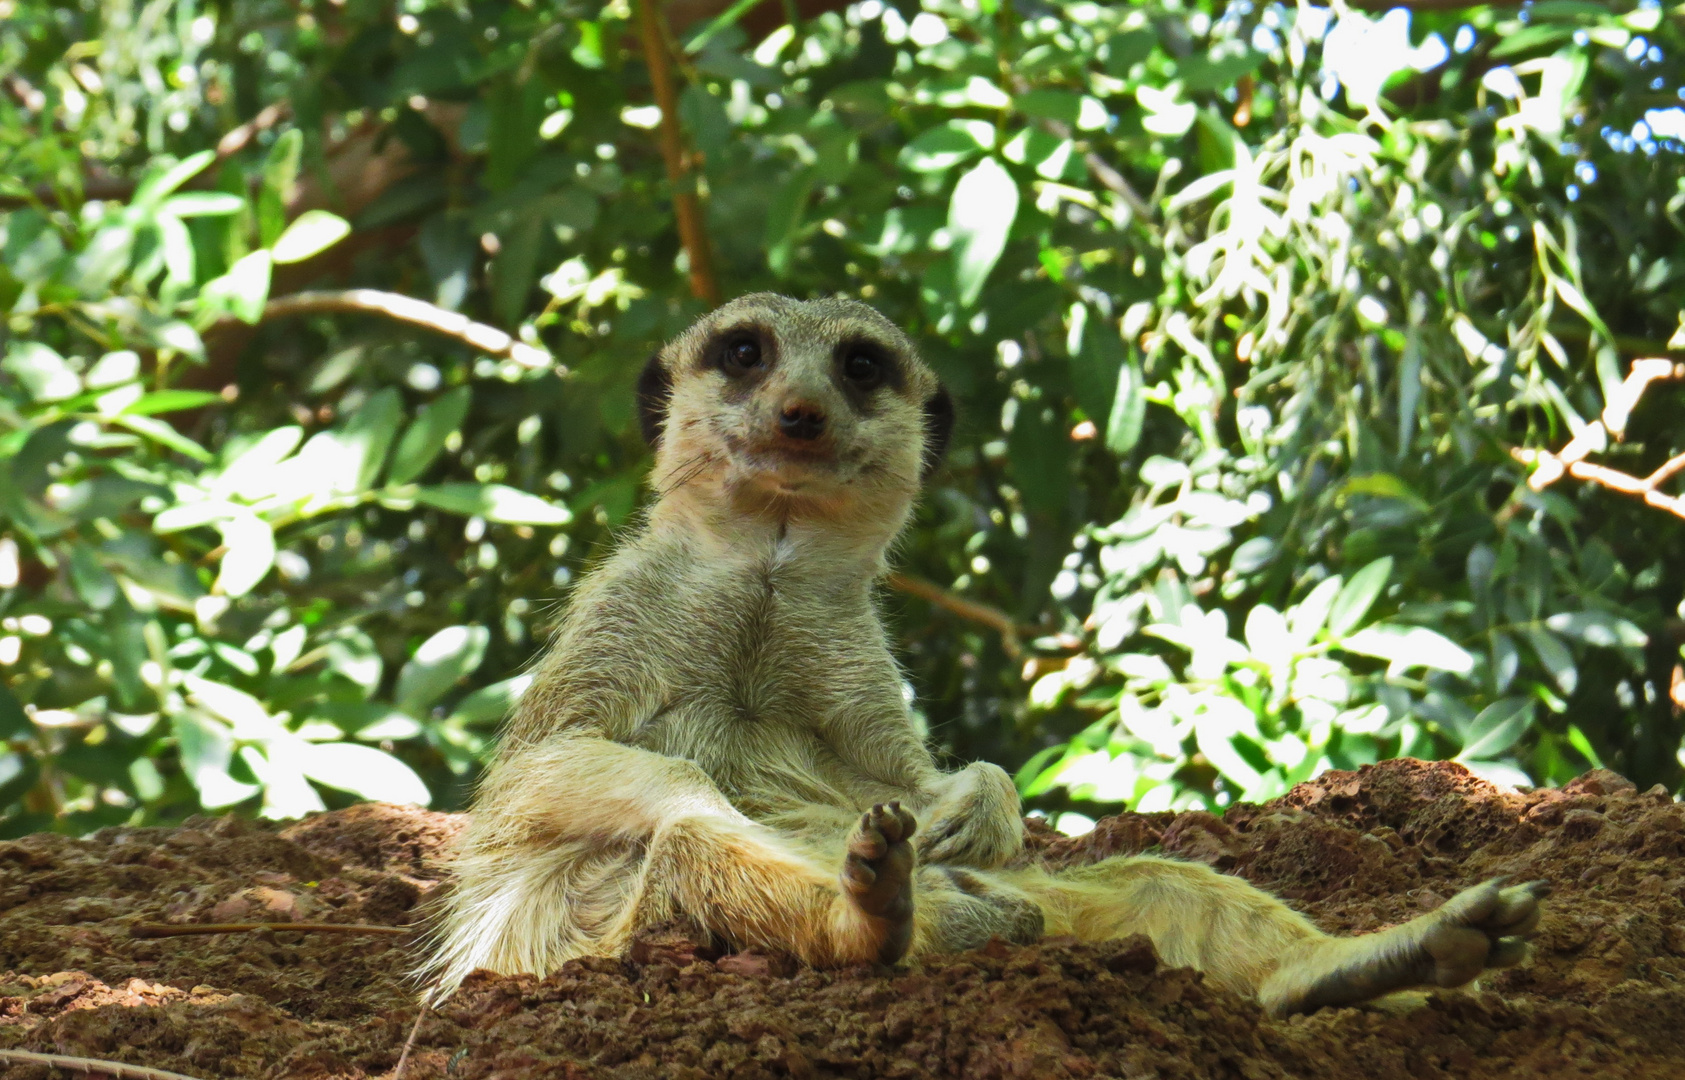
718 728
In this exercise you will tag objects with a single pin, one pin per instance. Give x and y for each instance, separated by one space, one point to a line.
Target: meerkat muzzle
802 420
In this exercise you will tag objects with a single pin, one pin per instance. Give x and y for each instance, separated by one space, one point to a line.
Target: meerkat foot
877 875
1483 927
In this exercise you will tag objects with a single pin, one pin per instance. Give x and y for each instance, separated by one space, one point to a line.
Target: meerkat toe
1507 952
857 874
1518 910
868 841
1459 954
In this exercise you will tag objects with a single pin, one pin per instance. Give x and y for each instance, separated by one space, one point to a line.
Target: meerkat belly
776 712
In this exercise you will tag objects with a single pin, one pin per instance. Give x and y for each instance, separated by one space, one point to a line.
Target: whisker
687 472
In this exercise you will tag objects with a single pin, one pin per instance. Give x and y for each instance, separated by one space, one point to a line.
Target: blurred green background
1254 312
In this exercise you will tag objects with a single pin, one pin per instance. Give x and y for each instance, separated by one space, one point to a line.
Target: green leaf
494 502
784 217
980 215
1496 728
442 659
251 552
368 435
250 464
172 401
279 767
1358 597
490 704
41 371
1307 618
241 292
1050 104
427 433
249 719
1410 646
158 186
207 749
165 435
203 204
1556 658
114 369
1577 739
1384 486
946 145
280 170
1599 628
91 580
1217 729
14 722
314 231
1129 409
364 772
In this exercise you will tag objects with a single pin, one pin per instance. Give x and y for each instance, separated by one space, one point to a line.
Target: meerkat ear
938 429
655 392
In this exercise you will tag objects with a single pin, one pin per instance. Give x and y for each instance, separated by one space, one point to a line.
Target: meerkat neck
846 545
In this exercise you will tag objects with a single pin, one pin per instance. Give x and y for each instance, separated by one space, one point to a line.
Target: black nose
801 422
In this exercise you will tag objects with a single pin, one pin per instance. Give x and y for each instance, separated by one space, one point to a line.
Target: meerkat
719 729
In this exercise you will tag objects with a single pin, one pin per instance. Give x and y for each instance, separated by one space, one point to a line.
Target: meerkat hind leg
877 874
1483 927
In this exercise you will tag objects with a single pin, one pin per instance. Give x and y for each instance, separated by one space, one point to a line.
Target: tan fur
719 730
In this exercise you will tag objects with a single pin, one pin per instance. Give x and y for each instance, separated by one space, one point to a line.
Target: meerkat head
816 406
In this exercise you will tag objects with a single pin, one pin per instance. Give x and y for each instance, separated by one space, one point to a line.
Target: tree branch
1427 5
1570 460
686 209
992 617
487 339
93 1066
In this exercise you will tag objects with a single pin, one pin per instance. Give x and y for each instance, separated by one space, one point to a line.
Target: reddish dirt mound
1604 995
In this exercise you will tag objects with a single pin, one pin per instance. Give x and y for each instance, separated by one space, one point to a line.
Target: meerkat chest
780 646
779 675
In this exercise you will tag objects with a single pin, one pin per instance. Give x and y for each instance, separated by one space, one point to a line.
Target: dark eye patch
864 365
739 351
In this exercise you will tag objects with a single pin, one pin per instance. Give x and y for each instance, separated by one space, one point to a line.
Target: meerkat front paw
977 821
877 874
1483 927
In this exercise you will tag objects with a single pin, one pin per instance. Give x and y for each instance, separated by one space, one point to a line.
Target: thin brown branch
92 1066
237 139
1550 467
487 339
992 617
164 930
686 208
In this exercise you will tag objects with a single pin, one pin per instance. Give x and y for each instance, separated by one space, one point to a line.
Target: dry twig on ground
91 1066
163 930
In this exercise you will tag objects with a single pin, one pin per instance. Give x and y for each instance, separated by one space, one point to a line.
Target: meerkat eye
741 355
863 370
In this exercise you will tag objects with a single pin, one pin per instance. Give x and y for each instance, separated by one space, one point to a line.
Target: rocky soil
1604 996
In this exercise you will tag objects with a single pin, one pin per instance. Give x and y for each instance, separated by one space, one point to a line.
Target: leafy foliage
1245 306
